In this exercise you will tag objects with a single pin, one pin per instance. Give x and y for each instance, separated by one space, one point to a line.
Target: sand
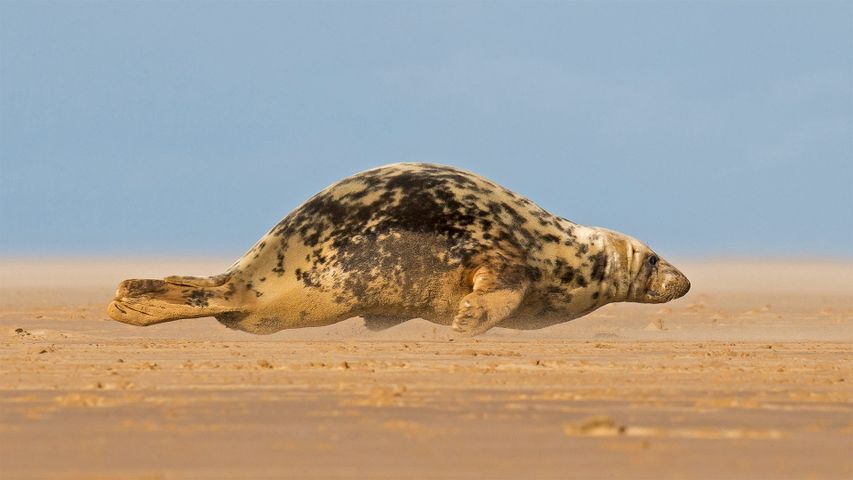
748 376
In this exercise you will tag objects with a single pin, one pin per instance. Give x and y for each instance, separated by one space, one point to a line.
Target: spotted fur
420 240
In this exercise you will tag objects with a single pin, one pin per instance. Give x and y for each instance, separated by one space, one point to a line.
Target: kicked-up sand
748 376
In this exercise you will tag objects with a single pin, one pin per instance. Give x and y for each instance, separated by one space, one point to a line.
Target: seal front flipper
147 302
496 293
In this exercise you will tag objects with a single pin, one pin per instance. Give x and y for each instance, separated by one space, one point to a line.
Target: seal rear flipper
147 302
190 281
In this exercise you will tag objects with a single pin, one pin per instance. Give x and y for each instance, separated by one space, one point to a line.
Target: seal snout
667 283
676 286
685 287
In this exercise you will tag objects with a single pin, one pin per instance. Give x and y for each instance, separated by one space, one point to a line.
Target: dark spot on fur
279 265
229 292
599 266
533 273
310 280
314 238
198 298
146 286
563 272
550 238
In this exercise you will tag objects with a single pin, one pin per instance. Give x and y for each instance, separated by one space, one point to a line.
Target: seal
414 240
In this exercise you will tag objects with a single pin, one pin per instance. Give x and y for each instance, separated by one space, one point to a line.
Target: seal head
641 275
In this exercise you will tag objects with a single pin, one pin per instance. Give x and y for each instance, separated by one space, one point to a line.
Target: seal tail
147 302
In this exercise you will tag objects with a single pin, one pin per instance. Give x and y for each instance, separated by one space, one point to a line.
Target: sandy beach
748 376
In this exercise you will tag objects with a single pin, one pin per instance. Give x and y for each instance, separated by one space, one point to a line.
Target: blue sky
157 127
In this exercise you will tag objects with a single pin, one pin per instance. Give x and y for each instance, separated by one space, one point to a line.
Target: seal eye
652 260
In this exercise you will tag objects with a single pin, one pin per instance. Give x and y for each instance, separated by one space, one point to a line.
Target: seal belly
399 274
396 275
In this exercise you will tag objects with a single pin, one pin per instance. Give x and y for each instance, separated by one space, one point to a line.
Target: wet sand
748 376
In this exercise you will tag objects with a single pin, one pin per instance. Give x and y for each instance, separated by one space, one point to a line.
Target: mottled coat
414 240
